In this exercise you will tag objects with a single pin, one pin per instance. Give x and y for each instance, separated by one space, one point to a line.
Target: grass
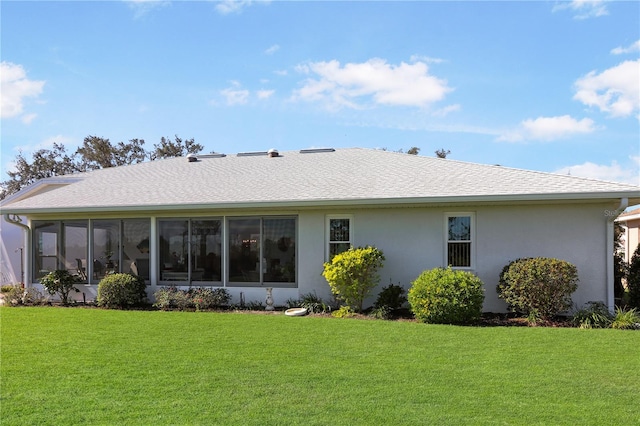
91 366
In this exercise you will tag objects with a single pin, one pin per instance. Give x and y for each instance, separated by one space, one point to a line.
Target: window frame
471 241
328 241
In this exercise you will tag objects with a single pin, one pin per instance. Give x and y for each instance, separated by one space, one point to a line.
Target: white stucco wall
412 240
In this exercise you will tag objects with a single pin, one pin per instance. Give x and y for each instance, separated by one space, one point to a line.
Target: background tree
98 153
620 267
442 153
178 148
414 150
45 163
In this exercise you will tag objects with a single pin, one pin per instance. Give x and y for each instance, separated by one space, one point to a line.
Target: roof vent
273 153
316 150
192 158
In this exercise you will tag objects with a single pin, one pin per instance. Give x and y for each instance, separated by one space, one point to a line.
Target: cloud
142 7
376 80
235 95
426 59
584 9
271 50
265 94
613 172
615 90
226 7
15 88
442 112
548 129
633 47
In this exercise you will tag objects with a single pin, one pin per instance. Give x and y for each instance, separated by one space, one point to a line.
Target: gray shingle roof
346 176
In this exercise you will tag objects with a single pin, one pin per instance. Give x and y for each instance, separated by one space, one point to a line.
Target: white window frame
327 227
472 235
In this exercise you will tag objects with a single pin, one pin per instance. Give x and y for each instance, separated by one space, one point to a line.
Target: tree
619 265
45 163
633 279
414 150
441 153
99 153
168 148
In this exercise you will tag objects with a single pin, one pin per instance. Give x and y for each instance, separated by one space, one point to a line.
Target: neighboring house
630 221
256 220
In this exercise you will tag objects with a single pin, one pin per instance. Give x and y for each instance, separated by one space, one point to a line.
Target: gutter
16 220
611 217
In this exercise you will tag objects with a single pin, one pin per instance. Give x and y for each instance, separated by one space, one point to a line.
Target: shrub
168 298
382 312
391 296
446 296
626 319
594 315
16 295
121 291
538 287
352 274
633 279
60 282
343 312
208 298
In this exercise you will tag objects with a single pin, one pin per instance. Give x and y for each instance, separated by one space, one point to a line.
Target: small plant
16 295
6 288
391 296
255 305
352 274
121 291
343 312
539 287
169 298
626 319
446 296
60 282
208 298
594 315
381 312
313 304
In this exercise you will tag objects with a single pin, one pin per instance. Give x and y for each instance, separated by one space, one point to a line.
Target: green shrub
382 312
633 279
538 287
391 296
208 298
6 288
60 282
446 296
170 298
626 319
16 295
121 291
594 315
343 312
313 304
352 274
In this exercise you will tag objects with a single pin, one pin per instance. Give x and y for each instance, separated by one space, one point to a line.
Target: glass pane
460 228
206 250
135 247
279 250
339 230
174 250
336 248
45 247
75 247
106 244
244 250
459 254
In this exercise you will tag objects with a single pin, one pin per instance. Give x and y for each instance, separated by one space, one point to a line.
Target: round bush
121 291
446 296
538 287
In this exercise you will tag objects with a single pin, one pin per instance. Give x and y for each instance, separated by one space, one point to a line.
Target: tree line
95 153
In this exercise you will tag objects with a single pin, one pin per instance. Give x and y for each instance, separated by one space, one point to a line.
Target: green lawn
65 366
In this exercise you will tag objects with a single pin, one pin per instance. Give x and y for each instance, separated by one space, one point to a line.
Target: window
120 246
190 250
340 234
262 251
459 240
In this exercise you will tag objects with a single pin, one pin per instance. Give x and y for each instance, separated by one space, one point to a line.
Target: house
254 220
630 221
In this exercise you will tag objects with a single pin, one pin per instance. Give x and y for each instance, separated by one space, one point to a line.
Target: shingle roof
296 178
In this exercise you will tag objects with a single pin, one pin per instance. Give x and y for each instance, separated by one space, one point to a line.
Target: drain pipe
16 220
611 217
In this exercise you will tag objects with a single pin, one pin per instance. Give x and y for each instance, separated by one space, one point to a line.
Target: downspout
611 217
16 220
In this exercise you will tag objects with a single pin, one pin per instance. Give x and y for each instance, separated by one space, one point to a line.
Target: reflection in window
45 247
106 244
206 249
174 250
339 235
74 243
279 250
244 250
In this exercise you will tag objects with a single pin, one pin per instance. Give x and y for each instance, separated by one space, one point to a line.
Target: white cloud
226 7
442 112
272 49
265 94
584 9
633 47
15 88
142 7
613 172
548 129
615 90
384 84
235 96
426 59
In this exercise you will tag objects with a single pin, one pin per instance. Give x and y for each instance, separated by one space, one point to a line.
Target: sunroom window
459 240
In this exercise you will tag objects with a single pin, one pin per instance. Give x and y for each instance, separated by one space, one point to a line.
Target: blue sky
550 86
